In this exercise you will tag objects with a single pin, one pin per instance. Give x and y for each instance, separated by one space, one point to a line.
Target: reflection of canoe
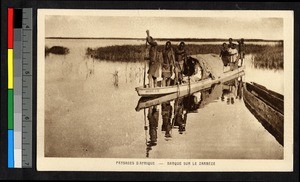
267 107
189 87
145 102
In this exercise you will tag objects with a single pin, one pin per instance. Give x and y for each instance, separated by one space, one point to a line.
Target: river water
90 111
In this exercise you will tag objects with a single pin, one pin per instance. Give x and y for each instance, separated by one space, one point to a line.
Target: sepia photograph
165 90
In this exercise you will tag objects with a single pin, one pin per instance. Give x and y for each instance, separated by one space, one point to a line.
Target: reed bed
264 56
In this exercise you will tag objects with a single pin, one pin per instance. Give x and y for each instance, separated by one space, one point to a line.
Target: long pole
145 125
145 61
145 129
144 84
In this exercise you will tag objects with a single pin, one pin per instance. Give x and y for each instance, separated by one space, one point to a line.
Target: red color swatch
10 28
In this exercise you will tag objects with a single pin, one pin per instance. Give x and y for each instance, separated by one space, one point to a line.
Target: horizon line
174 39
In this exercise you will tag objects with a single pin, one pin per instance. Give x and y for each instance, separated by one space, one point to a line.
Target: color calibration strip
10 32
19 88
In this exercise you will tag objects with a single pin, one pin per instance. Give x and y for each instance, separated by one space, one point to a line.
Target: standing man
180 57
233 57
242 50
231 44
153 71
224 54
168 63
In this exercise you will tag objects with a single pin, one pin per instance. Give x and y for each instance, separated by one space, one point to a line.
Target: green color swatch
10 109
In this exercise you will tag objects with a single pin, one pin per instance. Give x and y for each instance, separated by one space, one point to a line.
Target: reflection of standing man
153 71
166 112
229 91
180 115
153 114
239 85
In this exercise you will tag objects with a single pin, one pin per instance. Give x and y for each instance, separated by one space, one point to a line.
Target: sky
163 27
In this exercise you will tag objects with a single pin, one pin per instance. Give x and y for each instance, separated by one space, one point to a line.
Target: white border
109 164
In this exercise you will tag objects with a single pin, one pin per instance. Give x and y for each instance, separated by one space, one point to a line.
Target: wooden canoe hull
192 87
146 102
270 116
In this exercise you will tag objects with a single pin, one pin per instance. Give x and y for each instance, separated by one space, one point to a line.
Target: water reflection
153 114
180 115
175 109
229 92
232 90
166 113
134 73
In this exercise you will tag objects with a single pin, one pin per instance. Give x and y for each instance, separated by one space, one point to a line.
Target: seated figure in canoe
196 70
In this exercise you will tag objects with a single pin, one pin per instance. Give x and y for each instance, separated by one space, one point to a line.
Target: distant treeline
264 56
60 50
170 39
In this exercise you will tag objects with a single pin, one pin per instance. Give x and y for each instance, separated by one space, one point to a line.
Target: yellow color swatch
10 54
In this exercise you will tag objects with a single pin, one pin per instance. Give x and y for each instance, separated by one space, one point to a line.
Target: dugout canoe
267 106
188 87
145 102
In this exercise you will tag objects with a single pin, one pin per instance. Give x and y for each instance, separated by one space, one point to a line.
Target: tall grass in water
265 56
268 57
